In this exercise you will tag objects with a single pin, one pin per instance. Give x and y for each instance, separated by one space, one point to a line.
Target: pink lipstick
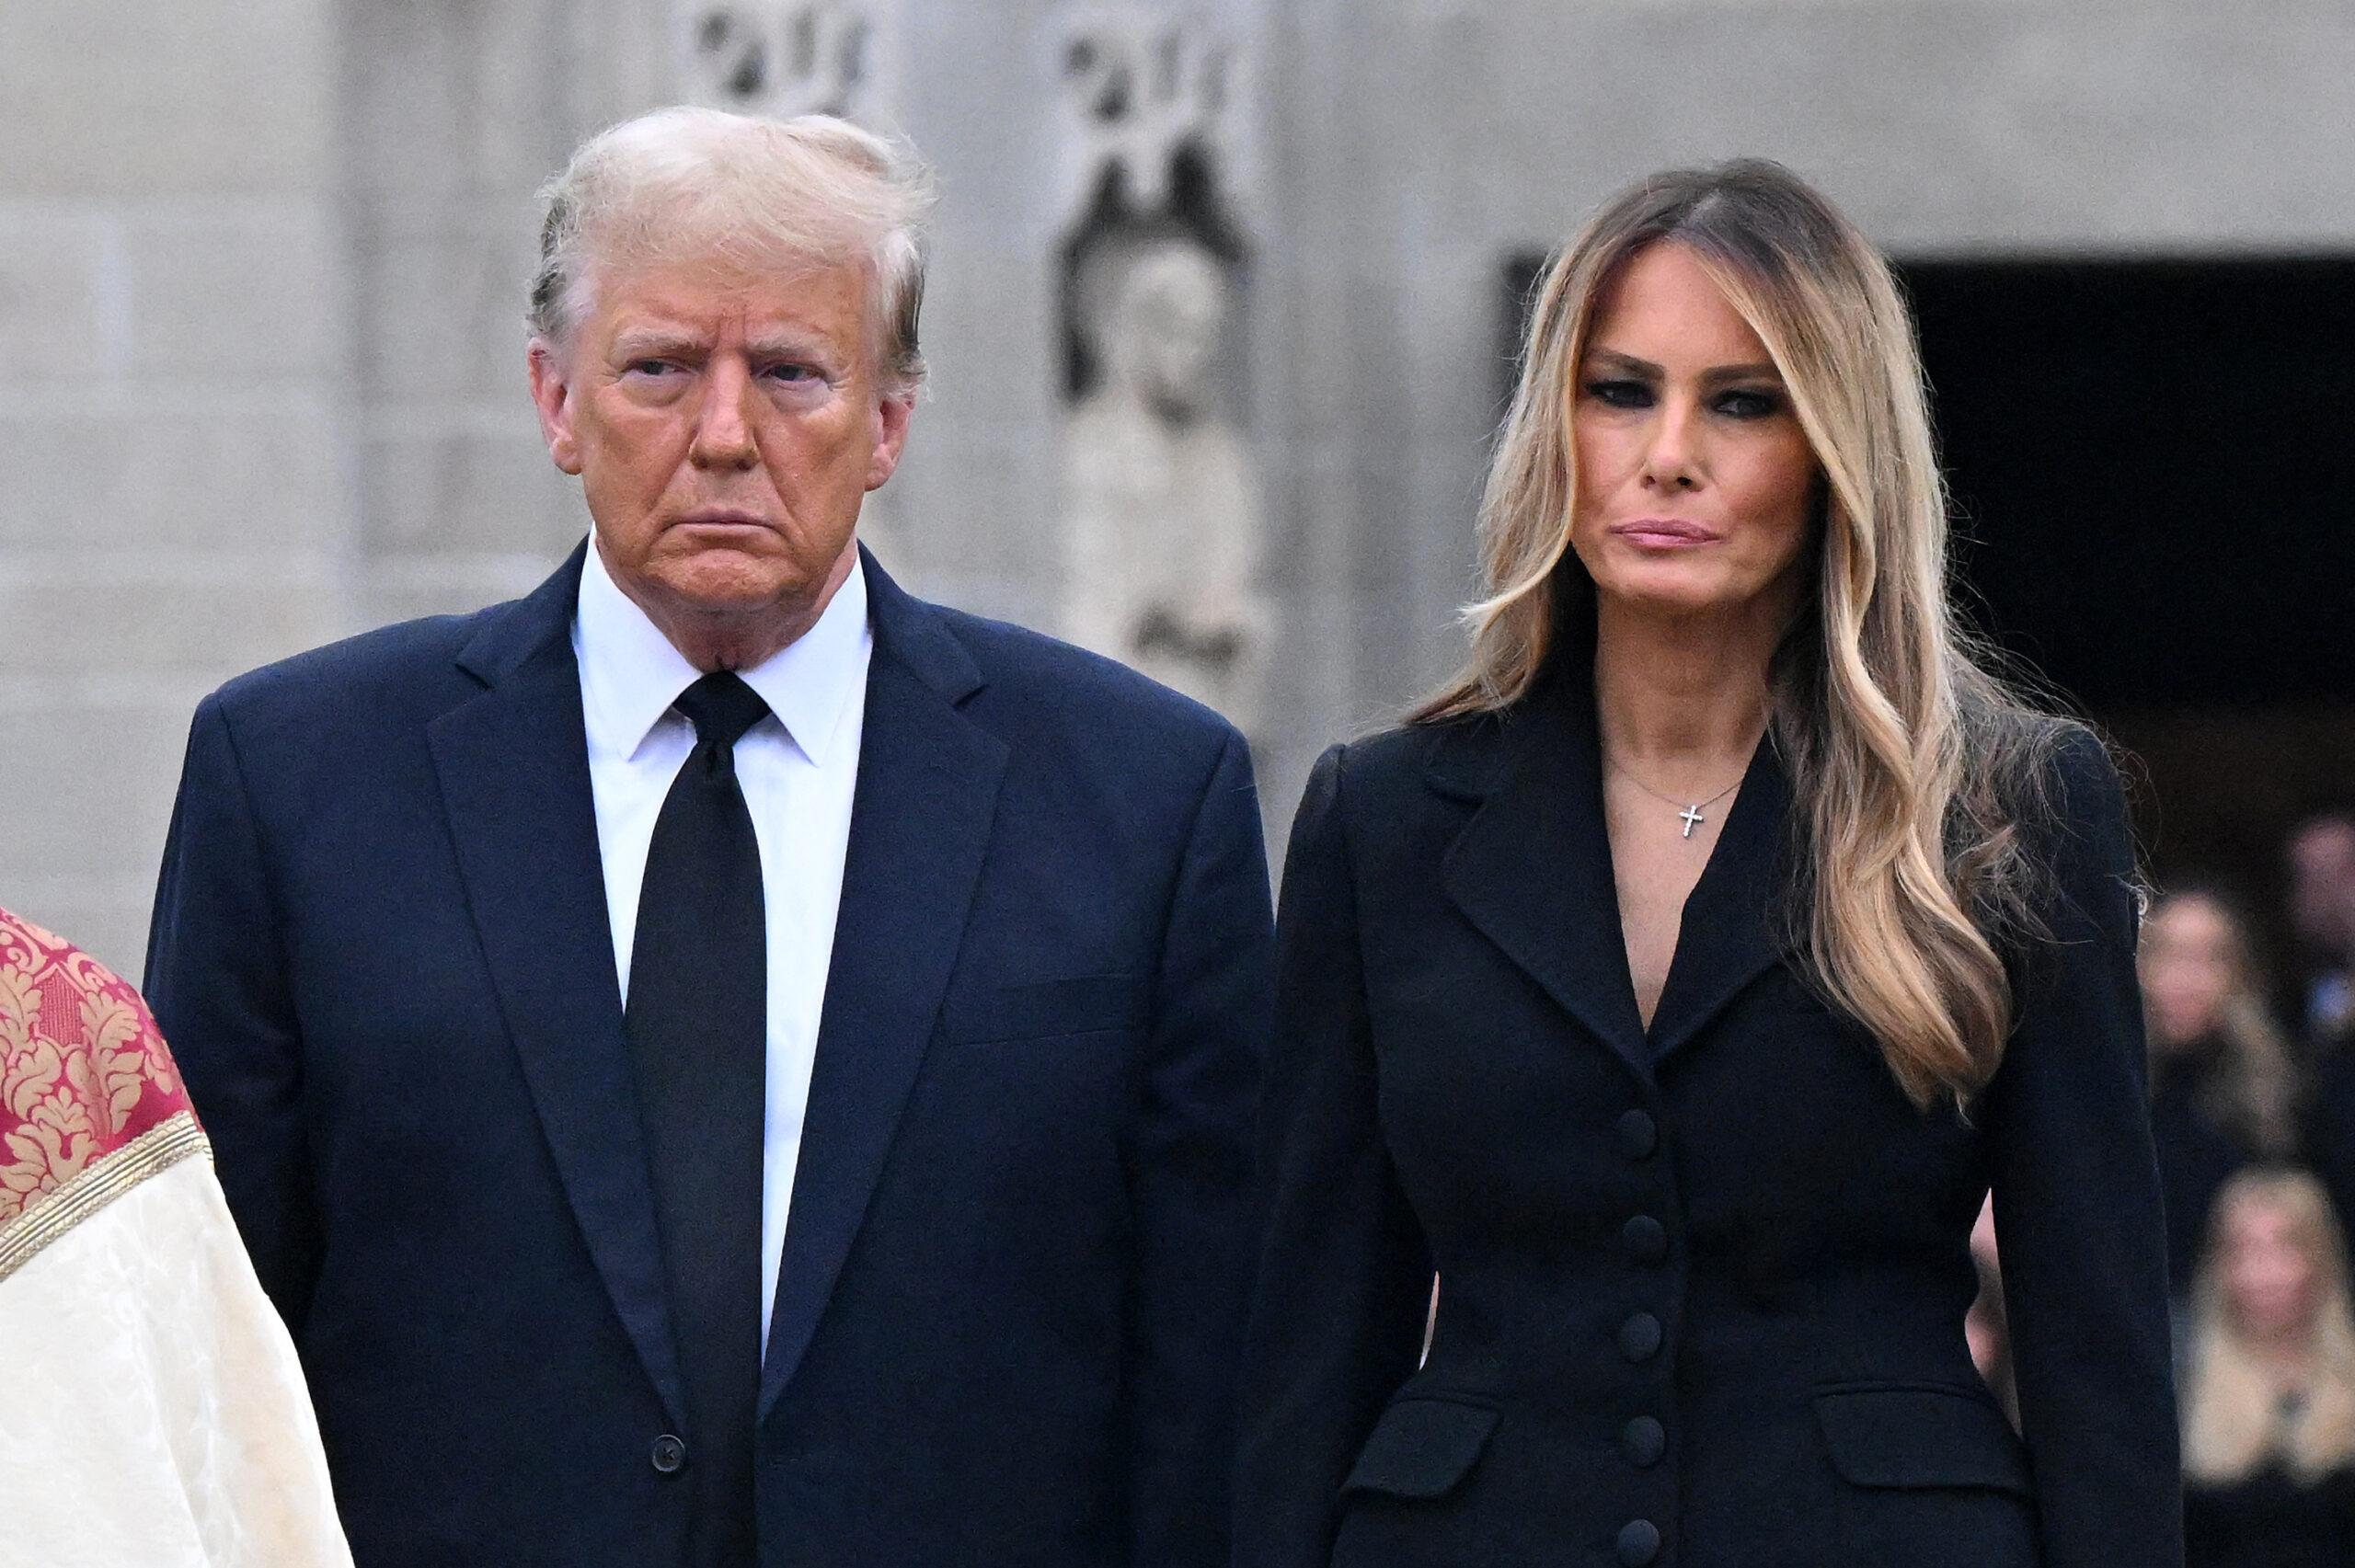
1663 534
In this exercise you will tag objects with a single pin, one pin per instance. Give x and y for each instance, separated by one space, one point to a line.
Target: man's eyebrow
786 341
641 342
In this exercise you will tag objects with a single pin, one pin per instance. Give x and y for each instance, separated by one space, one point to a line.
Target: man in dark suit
719 1062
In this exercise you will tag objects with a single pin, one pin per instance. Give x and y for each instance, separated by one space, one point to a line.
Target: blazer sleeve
1345 1277
2077 1208
1190 1160
216 980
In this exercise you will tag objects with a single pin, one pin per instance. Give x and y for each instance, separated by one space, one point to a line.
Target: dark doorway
2153 468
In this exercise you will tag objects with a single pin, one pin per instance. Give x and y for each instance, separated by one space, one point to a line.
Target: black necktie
697 1019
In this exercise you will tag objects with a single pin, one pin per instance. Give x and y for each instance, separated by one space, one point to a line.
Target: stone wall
261 268
176 497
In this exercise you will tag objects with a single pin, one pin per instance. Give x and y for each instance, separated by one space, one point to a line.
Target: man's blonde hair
743 193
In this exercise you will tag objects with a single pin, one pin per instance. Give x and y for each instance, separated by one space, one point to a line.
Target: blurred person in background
2270 1397
2222 1078
2322 919
2321 863
152 1413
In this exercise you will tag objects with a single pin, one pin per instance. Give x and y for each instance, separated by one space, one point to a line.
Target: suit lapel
514 770
921 815
1731 932
1532 869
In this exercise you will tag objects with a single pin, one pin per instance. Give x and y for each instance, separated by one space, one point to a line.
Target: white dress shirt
797 769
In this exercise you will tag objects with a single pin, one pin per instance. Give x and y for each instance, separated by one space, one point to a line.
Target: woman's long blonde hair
2232 1418
1911 762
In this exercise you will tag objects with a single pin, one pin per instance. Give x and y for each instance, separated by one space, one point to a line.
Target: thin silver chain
1669 799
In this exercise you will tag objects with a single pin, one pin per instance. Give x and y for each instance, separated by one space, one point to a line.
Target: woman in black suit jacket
1676 985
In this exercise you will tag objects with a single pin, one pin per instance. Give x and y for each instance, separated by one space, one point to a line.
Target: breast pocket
1931 1477
1085 1005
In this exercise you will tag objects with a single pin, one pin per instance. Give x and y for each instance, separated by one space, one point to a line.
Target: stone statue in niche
1162 507
1163 517
778 57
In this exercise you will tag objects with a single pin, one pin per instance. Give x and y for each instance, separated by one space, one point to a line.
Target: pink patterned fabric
84 1074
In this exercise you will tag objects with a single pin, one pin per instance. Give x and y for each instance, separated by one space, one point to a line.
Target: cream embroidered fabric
152 1413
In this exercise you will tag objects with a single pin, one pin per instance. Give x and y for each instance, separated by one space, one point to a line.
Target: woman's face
1695 483
2270 1281
2187 964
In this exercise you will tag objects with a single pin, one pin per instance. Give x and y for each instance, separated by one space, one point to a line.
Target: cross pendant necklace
1691 815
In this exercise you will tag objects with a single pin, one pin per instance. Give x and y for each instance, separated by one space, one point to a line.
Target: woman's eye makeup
1734 402
1620 392
1749 403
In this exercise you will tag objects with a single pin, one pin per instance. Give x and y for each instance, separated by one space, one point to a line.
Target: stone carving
779 57
1161 498
1162 504
1144 87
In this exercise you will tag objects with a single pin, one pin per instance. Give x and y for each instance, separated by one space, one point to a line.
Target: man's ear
552 394
892 412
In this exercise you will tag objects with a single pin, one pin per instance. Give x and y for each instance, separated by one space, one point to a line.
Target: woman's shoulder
1459 754
2059 787
2081 771
2053 778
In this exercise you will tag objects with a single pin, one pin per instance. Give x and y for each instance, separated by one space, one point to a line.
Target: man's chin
723 580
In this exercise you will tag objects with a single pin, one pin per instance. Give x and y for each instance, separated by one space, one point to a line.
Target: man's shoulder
394 667
1028 669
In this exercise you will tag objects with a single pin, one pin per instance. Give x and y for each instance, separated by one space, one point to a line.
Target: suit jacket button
1638 1135
1643 1442
1639 1543
1647 1240
1639 1337
669 1455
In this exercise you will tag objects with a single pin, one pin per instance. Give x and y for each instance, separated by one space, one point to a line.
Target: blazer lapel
1532 869
515 769
921 815
1732 926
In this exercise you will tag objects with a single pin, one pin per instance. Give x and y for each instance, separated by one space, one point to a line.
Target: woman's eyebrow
1761 371
1627 364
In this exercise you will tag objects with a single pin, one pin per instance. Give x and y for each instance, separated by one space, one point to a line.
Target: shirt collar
630 674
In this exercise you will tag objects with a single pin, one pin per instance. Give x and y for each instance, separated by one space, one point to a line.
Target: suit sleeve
2077 1208
1345 1278
216 980
1190 1174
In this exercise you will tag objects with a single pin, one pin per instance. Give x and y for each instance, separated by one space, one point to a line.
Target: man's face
726 428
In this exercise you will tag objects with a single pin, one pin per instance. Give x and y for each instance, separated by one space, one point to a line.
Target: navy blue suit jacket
1017 1256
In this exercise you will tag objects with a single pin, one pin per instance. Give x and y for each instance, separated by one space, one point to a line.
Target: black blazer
1703 1286
1017 1257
